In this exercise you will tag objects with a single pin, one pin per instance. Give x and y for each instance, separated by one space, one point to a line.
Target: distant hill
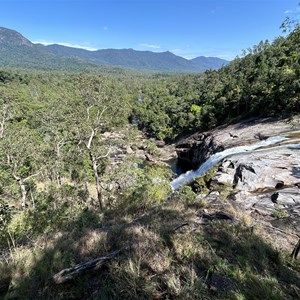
17 51
209 62
13 38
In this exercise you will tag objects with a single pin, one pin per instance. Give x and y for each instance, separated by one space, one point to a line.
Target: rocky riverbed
198 147
265 184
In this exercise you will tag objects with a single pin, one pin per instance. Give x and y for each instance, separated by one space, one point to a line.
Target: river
189 176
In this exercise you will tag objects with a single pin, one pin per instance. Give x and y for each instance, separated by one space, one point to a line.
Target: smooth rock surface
198 147
264 183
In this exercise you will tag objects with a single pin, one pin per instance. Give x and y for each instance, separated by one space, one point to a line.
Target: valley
18 52
91 202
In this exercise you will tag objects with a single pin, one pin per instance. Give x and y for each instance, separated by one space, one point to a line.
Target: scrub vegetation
72 187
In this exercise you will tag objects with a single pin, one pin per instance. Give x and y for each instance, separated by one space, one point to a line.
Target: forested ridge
264 82
18 52
72 188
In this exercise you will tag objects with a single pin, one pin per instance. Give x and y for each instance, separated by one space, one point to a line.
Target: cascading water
188 177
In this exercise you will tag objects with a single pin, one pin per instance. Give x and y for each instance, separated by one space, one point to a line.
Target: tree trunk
95 168
69 274
59 145
32 197
58 178
97 180
1 130
21 182
23 192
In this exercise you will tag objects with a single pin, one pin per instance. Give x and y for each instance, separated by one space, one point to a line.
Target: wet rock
262 171
241 172
260 136
192 152
234 136
289 196
265 183
222 178
265 206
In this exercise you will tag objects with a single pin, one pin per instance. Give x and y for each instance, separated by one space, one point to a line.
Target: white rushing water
188 177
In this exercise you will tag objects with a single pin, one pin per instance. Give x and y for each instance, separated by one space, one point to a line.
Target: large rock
261 171
267 182
264 183
195 149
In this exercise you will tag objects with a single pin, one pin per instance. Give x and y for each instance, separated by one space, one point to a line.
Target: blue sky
188 28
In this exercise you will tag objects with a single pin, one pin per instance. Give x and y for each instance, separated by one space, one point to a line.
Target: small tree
22 155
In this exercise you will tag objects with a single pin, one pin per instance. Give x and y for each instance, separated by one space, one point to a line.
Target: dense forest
66 172
264 82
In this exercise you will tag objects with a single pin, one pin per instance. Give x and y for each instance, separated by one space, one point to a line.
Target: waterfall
188 177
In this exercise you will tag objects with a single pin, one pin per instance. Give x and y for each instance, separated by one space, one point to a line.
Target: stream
189 176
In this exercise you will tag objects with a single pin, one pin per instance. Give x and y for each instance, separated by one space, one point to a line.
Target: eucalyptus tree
99 108
5 110
22 155
55 124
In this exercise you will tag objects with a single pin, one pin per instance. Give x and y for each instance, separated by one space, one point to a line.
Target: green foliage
151 186
186 195
265 82
7 76
54 210
55 133
202 184
5 218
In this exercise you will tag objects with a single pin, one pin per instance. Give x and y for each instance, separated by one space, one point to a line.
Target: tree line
264 82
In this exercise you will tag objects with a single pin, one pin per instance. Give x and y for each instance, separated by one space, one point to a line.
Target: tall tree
98 109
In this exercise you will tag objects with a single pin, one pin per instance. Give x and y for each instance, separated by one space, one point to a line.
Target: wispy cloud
151 46
105 28
46 43
190 52
294 12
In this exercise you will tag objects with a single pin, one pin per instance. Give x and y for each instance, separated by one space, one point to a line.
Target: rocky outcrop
195 149
265 183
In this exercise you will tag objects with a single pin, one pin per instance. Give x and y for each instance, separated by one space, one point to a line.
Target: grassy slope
159 261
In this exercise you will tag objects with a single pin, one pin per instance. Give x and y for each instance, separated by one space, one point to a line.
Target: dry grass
158 262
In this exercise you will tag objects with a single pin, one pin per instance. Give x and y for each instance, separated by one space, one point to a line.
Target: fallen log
70 273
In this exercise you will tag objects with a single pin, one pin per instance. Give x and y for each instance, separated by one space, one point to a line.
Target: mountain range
16 51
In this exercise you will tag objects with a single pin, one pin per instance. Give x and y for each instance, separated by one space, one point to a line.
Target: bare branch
103 156
33 175
99 115
91 139
15 172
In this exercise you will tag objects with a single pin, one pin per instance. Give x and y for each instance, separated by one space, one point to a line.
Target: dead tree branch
70 273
